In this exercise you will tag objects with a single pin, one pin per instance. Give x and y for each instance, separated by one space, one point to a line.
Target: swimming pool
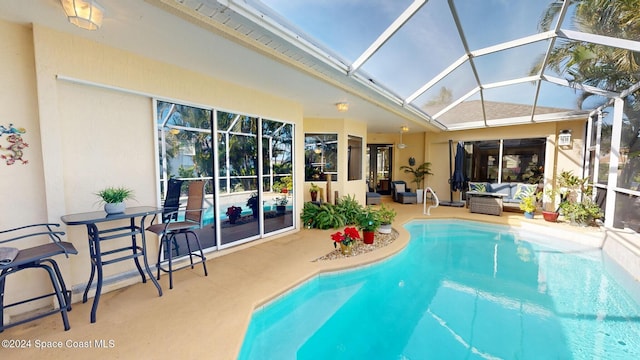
459 290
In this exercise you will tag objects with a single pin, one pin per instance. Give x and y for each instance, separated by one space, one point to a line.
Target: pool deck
207 316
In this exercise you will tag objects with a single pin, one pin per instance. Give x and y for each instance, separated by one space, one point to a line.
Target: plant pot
280 209
419 195
346 249
232 219
385 229
368 236
114 208
314 195
528 215
550 216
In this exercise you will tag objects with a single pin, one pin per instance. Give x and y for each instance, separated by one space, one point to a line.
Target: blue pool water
460 290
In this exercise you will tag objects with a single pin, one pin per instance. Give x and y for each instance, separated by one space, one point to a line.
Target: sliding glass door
247 162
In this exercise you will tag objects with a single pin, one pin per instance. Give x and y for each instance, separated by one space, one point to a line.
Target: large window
321 156
510 160
354 158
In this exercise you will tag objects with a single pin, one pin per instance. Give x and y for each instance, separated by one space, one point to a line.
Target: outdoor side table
101 258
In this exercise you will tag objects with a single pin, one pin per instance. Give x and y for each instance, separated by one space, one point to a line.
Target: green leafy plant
112 195
314 188
528 204
283 185
369 220
584 212
418 173
328 217
386 215
350 208
309 214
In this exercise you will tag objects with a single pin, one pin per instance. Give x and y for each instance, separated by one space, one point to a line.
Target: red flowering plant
349 236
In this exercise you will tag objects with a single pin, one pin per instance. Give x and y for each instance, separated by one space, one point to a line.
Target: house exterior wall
89 115
557 158
21 185
344 128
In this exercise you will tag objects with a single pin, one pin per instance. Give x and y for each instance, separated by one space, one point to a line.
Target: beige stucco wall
21 186
343 127
88 111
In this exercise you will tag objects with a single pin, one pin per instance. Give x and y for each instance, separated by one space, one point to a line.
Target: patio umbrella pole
451 182
450 174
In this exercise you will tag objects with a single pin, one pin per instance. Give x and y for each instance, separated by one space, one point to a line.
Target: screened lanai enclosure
247 166
467 64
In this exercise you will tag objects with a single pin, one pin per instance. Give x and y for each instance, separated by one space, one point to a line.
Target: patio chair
173 226
372 198
14 260
402 194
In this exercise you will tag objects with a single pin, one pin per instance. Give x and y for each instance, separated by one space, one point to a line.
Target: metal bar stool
14 260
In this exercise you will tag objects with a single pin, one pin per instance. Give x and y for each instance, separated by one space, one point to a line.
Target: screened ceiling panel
509 101
463 63
347 29
415 54
443 93
463 114
501 21
513 63
588 59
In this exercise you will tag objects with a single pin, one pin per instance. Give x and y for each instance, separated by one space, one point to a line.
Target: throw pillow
524 190
400 188
479 187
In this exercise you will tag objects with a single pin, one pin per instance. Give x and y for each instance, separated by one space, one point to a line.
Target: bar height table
96 236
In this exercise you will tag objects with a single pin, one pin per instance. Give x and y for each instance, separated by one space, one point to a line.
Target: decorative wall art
13 151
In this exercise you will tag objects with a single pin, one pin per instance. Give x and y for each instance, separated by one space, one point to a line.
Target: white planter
420 194
385 229
114 208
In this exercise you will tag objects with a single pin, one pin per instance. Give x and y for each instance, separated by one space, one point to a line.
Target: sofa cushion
503 188
400 188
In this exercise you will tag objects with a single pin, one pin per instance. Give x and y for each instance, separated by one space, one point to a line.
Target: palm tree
591 64
601 66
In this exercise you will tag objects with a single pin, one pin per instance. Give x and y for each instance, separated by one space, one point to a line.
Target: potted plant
252 203
386 215
418 174
528 205
113 198
582 213
368 221
345 240
281 204
233 213
313 191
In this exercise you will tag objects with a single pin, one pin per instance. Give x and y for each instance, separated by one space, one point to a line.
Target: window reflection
321 156
629 161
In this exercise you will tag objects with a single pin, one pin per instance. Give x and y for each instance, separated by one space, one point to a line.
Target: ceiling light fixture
85 14
342 106
403 129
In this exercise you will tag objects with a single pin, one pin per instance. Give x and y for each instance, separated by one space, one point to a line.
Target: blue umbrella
458 179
